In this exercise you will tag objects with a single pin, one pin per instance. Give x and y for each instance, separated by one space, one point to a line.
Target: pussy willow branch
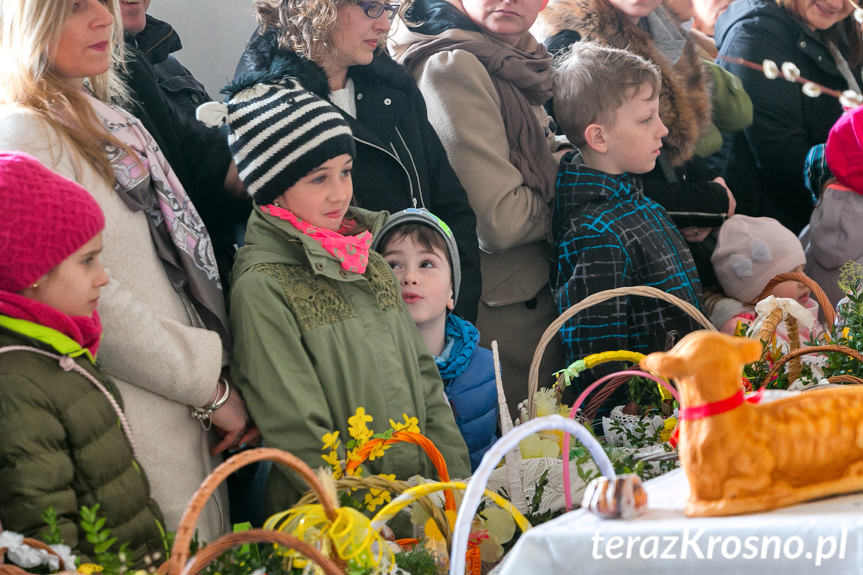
799 79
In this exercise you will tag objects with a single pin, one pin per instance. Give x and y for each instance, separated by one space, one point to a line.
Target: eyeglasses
374 9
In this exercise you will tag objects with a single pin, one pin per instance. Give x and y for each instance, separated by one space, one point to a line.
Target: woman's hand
233 423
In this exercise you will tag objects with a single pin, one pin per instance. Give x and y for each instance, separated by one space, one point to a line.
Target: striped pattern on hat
279 132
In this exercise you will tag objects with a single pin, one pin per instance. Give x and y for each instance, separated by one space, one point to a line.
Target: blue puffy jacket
468 374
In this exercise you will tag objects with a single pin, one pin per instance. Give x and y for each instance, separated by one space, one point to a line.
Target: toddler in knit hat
835 235
60 442
749 253
320 329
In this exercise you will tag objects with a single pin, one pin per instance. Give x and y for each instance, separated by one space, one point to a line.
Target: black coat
157 41
198 155
765 161
400 161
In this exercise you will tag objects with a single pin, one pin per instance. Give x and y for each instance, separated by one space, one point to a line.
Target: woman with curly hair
335 49
765 162
163 316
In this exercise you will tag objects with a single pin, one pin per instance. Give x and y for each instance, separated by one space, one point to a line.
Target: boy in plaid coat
606 232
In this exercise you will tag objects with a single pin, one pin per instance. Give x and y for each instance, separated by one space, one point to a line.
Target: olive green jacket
61 446
313 342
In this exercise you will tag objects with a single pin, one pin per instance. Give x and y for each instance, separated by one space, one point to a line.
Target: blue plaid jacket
608 234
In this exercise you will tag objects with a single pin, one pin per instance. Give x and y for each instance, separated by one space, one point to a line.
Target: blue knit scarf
461 339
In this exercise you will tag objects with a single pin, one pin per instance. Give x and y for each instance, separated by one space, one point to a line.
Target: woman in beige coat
55 62
484 79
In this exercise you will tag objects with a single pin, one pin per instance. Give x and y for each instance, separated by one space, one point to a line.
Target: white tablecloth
823 536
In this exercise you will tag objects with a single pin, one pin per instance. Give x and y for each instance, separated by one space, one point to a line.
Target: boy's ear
450 303
594 136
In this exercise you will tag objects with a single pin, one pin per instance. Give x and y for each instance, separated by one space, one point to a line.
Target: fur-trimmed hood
684 104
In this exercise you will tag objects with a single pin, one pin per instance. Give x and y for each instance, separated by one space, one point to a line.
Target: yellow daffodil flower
331 440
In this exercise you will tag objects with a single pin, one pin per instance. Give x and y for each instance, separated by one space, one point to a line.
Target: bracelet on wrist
204 414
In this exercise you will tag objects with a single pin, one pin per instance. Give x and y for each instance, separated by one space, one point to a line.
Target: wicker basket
554 327
795 355
477 486
176 565
393 486
420 492
9 569
823 300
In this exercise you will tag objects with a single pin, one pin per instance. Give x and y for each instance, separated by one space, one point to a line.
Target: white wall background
214 33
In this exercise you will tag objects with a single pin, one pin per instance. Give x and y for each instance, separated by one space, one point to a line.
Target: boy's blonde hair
29 29
592 81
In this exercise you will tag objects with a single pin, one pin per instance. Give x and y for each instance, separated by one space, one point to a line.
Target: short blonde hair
304 26
592 81
28 31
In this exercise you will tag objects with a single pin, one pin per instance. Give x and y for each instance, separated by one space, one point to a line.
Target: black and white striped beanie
277 132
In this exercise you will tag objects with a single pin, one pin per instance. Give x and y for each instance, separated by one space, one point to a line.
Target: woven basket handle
180 550
477 485
611 377
810 349
512 459
593 299
823 300
213 550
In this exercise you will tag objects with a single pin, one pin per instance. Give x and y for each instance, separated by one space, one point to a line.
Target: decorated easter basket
473 560
378 482
796 354
519 477
177 564
476 488
593 299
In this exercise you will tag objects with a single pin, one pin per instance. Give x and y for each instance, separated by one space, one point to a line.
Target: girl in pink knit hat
60 443
835 234
167 343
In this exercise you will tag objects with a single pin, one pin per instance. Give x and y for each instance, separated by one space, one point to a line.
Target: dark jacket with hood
765 161
157 41
400 161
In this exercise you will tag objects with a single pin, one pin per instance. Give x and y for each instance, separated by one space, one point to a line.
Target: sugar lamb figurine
741 457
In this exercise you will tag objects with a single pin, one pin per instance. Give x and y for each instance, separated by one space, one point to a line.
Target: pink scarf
86 331
351 251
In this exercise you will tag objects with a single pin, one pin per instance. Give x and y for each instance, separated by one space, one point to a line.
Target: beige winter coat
160 362
512 220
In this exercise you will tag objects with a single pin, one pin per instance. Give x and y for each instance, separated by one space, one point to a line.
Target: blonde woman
163 312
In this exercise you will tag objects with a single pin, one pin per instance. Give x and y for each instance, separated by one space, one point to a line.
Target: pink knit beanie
844 150
46 218
752 251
